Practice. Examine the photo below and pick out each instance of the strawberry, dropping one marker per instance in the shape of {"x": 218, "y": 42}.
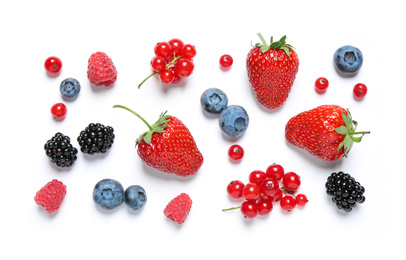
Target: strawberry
{"x": 327, "y": 132}
{"x": 168, "y": 146}
{"x": 101, "y": 70}
{"x": 271, "y": 71}
{"x": 178, "y": 208}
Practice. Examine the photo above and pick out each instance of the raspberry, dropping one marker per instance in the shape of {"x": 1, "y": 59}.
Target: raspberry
{"x": 101, "y": 70}
{"x": 178, "y": 208}
{"x": 96, "y": 138}
{"x": 60, "y": 150}
{"x": 51, "y": 195}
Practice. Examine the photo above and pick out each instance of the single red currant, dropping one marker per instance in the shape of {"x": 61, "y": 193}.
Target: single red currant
{"x": 188, "y": 51}
{"x": 53, "y": 65}
{"x": 359, "y": 91}
{"x": 321, "y": 85}
{"x": 176, "y": 79}
{"x": 265, "y": 206}
{"x": 291, "y": 181}
{"x": 251, "y": 191}
{"x": 167, "y": 76}
{"x": 235, "y": 152}
{"x": 226, "y": 61}
{"x": 235, "y": 188}
{"x": 257, "y": 177}
{"x": 269, "y": 187}
{"x": 278, "y": 195}
{"x": 184, "y": 67}
{"x": 59, "y": 111}
{"x": 301, "y": 200}
{"x": 158, "y": 64}
{"x": 249, "y": 209}
{"x": 288, "y": 203}
{"x": 275, "y": 171}
{"x": 163, "y": 49}
{"x": 177, "y": 46}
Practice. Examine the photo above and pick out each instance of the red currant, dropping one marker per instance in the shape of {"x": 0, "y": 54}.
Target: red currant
{"x": 269, "y": 187}
{"x": 163, "y": 49}
{"x": 257, "y": 177}
{"x": 226, "y": 61}
{"x": 235, "y": 152}
{"x": 249, "y": 209}
{"x": 321, "y": 85}
{"x": 301, "y": 200}
{"x": 184, "y": 67}
{"x": 251, "y": 191}
{"x": 167, "y": 76}
{"x": 53, "y": 65}
{"x": 188, "y": 51}
{"x": 59, "y": 111}
{"x": 265, "y": 206}
{"x": 359, "y": 91}
{"x": 278, "y": 195}
{"x": 235, "y": 188}
{"x": 288, "y": 203}
{"x": 176, "y": 79}
{"x": 177, "y": 46}
{"x": 158, "y": 64}
{"x": 275, "y": 171}
{"x": 291, "y": 181}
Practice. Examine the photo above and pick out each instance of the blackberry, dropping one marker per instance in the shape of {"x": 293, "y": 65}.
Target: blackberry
{"x": 60, "y": 150}
{"x": 96, "y": 138}
{"x": 346, "y": 192}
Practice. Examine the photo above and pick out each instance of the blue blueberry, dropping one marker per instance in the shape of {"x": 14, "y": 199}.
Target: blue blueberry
{"x": 213, "y": 100}
{"x": 70, "y": 88}
{"x": 348, "y": 60}
{"x": 135, "y": 197}
{"x": 108, "y": 194}
{"x": 234, "y": 121}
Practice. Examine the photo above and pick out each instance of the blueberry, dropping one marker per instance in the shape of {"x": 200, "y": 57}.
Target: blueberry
{"x": 213, "y": 101}
{"x": 348, "y": 60}
{"x": 234, "y": 121}
{"x": 108, "y": 194}
{"x": 70, "y": 88}
{"x": 135, "y": 197}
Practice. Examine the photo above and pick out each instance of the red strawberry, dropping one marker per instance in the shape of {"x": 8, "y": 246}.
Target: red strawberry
{"x": 168, "y": 146}
{"x": 51, "y": 195}
{"x": 178, "y": 208}
{"x": 327, "y": 132}
{"x": 271, "y": 71}
{"x": 101, "y": 70}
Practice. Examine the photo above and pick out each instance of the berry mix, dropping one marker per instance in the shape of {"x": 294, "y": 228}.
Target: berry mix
{"x": 327, "y": 131}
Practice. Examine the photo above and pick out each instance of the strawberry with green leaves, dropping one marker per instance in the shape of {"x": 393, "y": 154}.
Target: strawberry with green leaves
{"x": 168, "y": 146}
{"x": 328, "y": 132}
{"x": 272, "y": 69}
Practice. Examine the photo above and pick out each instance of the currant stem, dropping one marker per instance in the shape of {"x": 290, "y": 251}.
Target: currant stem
{"x": 126, "y": 108}
{"x": 233, "y": 208}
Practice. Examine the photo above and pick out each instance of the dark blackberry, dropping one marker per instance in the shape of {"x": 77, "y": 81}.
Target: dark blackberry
{"x": 346, "y": 192}
{"x": 60, "y": 150}
{"x": 96, "y": 138}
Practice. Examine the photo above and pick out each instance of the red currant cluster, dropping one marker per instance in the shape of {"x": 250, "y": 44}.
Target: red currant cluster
{"x": 173, "y": 61}
{"x": 266, "y": 188}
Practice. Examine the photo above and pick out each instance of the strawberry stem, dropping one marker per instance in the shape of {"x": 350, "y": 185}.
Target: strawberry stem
{"x": 140, "y": 117}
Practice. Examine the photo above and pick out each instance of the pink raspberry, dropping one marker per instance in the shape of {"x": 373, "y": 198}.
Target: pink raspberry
{"x": 178, "y": 208}
{"x": 101, "y": 70}
{"x": 51, "y": 195}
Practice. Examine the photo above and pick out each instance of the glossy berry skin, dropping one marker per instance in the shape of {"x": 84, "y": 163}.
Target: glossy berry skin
{"x": 257, "y": 177}
{"x": 278, "y": 195}
{"x": 275, "y": 171}
{"x": 59, "y": 111}
{"x": 251, "y": 191}
{"x": 301, "y": 200}
{"x": 167, "y": 76}
{"x": 226, "y": 61}
{"x": 235, "y": 152}
{"x": 108, "y": 194}
{"x": 321, "y": 85}
{"x": 53, "y": 65}
{"x": 249, "y": 209}
{"x": 348, "y": 60}
{"x": 288, "y": 203}
{"x": 234, "y": 121}
{"x": 70, "y": 89}
{"x": 235, "y": 188}
{"x": 183, "y": 67}
{"x": 291, "y": 181}
{"x": 158, "y": 64}
{"x": 188, "y": 51}
{"x": 359, "y": 91}
{"x": 269, "y": 187}
{"x": 265, "y": 206}
{"x": 177, "y": 46}
{"x": 163, "y": 49}
{"x": 135, "y": 197}
{"x": 213, "y": 101}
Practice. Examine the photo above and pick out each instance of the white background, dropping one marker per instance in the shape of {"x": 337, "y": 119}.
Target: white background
{"x": 127, "y": 31}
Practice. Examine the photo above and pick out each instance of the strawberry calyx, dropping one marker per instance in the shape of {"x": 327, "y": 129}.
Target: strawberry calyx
{"x": 158, "y": 127}
{"x": 350, "y": 133}
{"x": 281, "y": 44}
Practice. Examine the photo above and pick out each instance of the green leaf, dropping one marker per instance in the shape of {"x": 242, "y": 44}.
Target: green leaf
{"x": 148, "y": 137}
{"x": 342, "y": 130}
